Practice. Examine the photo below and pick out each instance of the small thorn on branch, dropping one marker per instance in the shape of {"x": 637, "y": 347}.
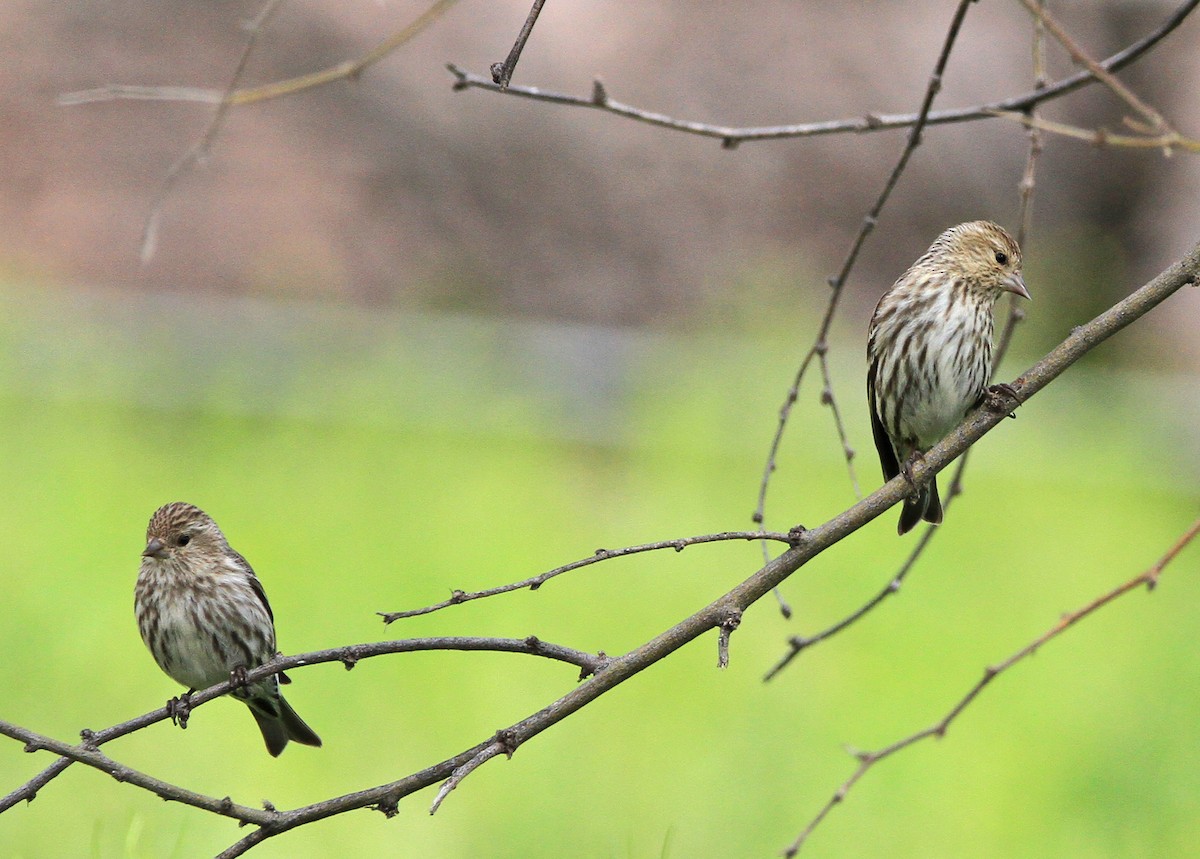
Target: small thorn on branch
{"x": 460, "y": 77}
{"x": 599, "y": 93}
{"x": 389, "y": 808}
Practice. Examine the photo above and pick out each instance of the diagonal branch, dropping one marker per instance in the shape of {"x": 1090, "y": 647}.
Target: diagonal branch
{"x": 502, "y": 72}
{"x": 867, "y": 760}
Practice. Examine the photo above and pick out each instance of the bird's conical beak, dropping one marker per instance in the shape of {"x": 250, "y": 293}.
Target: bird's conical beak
{"x": 155, "y": 549}
{"x": 1016, "y": 285}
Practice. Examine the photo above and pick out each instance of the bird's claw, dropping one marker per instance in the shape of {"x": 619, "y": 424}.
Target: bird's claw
{"x": 1001, "y": 398}
{"x": 180, "y": 708}
{"x": 237, "y": 677}
{"x": 906, "y": 471}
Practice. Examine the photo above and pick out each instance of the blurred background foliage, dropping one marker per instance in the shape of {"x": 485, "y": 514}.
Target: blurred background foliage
{"x": 398, "y": 341}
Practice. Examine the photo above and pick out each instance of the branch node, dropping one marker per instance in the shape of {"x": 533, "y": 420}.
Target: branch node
{"x": 457, "y": 596}
{"x": 533, "y": 643}
{"x": 730, "y": 142}
{"x": 506, "y": 739}
{"x": 499, "y": 78}
{"x": 89, "y": 739}
{"x": 226, "y": 804}
{"x": 796, "y": 535}
{"x": 269, "y": 806}
{"x": 388, "y": 807}
{"x": 873, "y": 121}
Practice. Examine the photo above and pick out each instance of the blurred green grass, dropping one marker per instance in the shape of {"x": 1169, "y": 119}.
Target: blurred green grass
{"x": 367, "y": 462}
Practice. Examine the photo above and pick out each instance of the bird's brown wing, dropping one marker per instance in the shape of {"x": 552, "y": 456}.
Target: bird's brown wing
{"x": 883, "y": 444}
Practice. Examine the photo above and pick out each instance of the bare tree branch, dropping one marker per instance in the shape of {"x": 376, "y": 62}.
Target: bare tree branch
{"x": 348, "y": 655}
{"x": 502, "y": 72}
{"x": 1080, "y": 57}
{"x": 348, "y": 70}
{"x": 867, "y": 760}
{"x": 731, "y": 136}
{"x": 535, "y": 582}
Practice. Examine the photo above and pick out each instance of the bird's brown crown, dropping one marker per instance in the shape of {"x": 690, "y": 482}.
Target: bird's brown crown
{"x": 177, "y": 520}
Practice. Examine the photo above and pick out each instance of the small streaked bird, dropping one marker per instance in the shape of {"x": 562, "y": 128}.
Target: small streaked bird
{"x": 929, "y": 350}
{"x": 204, "y": 616}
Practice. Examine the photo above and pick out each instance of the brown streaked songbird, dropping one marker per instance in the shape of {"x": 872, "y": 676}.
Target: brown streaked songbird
{"x": 929, "y": 350}
{"x": 204, "y": 616}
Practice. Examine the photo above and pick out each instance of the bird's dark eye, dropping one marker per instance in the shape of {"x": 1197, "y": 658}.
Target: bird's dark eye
{"x": 183, "y": 539}
{"x": 1001, "y": 257}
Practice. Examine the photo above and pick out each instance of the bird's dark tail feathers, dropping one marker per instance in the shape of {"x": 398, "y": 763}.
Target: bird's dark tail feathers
{"x": 927, "y": 506}
{"x": 279, "y": 723}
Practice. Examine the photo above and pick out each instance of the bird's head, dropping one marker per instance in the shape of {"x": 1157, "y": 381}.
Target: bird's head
{"x": 984, "y": 255}
{"x": 178, "y": 530}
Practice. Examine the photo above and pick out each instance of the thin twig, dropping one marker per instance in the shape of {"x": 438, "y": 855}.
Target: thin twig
{"x": 1102, "y": 138}
{"x": 458, "y": 597}
{"x": 866, "y": 760}
{"x": 199, "y": 150}
{"x": 828, "y": 399}
{"x": 500, "y": 744}
{"x": 348, "y": 70}
{"x": 820, "y": 345}
{"x": 502, "y": 72}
